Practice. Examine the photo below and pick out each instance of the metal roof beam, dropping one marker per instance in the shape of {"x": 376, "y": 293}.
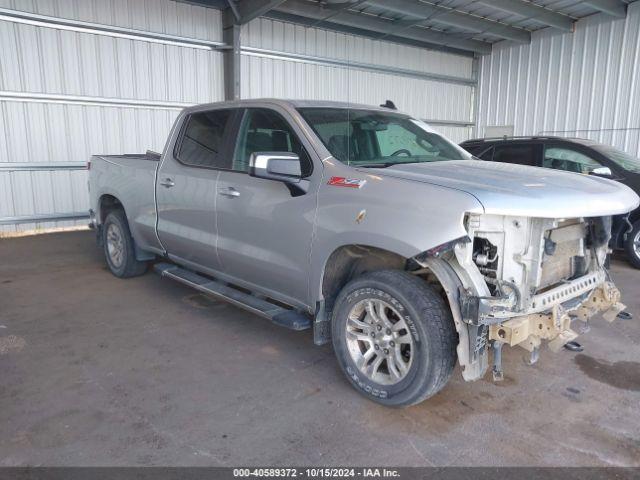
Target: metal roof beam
{"x": 448, "y": 17}
{"x": 615, "y": 8}
{"x": 533, "y": 12}
{"x": 379, "y": 27}
{"x": 247, "y": 10}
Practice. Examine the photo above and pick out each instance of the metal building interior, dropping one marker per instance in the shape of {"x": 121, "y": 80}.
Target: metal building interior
{"x": 149, "y": 373}
{"x": 67, "y": 64}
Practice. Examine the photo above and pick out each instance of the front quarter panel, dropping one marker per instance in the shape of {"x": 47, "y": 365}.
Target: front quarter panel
{"x": 402, "y": 216}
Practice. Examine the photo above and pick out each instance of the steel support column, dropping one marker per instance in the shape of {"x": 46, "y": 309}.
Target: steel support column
{"x": 231, "y": 62}
{"x": 475, "y": 72}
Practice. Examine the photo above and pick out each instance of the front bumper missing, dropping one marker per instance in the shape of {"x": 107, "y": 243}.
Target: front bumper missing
{"x": 528, "y": 331}
{"x": 493, "y": 310}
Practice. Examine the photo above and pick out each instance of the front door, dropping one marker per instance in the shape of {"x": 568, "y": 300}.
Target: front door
{"x": 186, "y": 188}
{"x": 265, "y": 229}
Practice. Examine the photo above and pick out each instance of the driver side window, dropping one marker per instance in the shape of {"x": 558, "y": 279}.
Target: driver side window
{"x": 569, "y": 160}
{"x": 264, "y": 130}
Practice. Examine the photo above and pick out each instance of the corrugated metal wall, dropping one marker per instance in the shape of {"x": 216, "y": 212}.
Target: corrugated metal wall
{"x": 263, "y": 76}
{"x": 65, "y": 94}
{"x": 73, "y": 83}
{"x": 584, "y": 84}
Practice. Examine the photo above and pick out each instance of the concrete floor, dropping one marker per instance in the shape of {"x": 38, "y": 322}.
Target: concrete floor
{"x": 100, "y": 371}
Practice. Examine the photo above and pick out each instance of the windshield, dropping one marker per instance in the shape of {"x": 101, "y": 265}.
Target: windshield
{"x": 379, "y": 139}
{"x": 623, "y": 159}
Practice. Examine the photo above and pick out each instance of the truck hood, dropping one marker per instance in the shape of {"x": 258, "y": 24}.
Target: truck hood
{"x": 507, "y": 189}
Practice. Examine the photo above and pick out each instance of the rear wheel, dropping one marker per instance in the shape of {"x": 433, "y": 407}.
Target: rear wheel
{"x": 632, "y": 245}
{"x": 394, "y": 337}
{"x": 119, "y": 249}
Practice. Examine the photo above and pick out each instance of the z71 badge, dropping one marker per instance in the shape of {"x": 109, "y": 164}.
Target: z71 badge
{"x": 346, "y": 182}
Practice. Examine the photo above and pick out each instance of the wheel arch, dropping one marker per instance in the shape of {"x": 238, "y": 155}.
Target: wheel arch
{"x": 451, "y": 287}
{"x": 350, "y": 261}
{"x": 106, "y": 203}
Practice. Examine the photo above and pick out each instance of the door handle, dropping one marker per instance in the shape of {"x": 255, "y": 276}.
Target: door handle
{"x": 167, "y": 182}
{"x": 229, "y": 192}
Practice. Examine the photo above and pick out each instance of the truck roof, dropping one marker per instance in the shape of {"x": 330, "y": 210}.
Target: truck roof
{"x": 291, "y": 103}
{"x": 492, "y": 140}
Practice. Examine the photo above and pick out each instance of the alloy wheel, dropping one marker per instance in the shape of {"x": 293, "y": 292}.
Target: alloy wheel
{"x": 379, "y": 341}
{"x": 115, "y": 245}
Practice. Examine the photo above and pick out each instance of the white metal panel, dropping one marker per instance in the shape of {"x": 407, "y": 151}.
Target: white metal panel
{"x": 70, "y": 75}
{"x": 44, "y": 132}
{"x": 287, "y": 37}
{"x": 269, "y": 77}
{"x": 584, "y": 84}
{"x": 44, "y": 62}
{"x": 265, "y": 77}
{"x": 455, "y": 134}
{"x": 159, "y": 16}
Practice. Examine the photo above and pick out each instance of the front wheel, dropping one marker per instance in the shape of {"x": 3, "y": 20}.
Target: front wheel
{"x": 632, "y": 245}
{"x": 119, "y": 249}
{"x": 394, "y": 337}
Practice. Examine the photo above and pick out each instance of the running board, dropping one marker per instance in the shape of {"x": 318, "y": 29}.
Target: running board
{"x": 278, "y": 315}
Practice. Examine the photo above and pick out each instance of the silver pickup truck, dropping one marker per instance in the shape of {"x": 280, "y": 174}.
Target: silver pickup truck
{"x": 369, "y": 227}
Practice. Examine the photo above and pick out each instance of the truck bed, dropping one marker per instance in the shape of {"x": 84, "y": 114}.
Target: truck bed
{"x": 131, "y": 179}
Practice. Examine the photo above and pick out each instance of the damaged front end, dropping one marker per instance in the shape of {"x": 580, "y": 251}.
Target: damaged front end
{"x": 522, "y": 281}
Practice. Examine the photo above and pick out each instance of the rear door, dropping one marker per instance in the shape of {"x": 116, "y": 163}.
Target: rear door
{"x": 264, "y": 227}
{"x": 186, "y": 187}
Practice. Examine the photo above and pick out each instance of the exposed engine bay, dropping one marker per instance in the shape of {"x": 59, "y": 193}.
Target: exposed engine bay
{"x": 526, "y": 280}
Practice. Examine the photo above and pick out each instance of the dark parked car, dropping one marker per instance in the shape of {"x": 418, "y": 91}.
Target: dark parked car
{"x": 573, "y": 155}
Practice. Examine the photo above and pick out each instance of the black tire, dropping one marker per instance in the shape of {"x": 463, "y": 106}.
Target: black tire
{"x": 431, "y": 326}
{"x": 127, "y": 266}
{"x": 633, "y": 254}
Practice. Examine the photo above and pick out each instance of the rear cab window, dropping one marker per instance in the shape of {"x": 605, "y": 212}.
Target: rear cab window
{"x": 203, "y": 141}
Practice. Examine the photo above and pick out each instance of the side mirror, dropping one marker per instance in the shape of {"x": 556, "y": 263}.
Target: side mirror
{"x": 602, "y": 172}
{"x": 280, "y": 166}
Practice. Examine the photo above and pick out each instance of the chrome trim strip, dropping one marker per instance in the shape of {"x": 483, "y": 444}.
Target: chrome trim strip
{"x": 45, "y": 217}
{"x": 28, "y": 18}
